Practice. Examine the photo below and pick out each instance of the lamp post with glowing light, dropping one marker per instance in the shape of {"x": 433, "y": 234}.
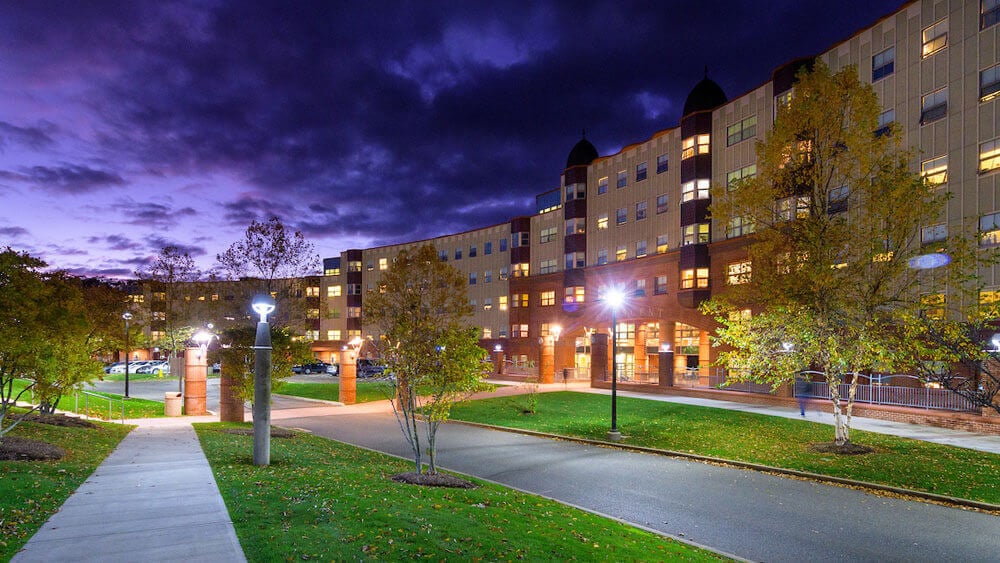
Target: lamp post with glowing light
{"x": 614, "y": 299}
{"x": 263, "y": 305}
{"x": 128, "y": 317}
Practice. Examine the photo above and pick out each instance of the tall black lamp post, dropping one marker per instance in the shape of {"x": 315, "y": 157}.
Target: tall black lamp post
{"x": 614, "y": 299}
{"x": 128, "y": 317}
{"x": 263, "y": 305}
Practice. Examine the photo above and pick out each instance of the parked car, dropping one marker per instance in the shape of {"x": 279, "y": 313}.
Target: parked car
{"x": 370, "y": 368}
{"x": 314, "y": 367}
{"x": 159, "y": 367}
{"x": 110, "y": 368}
{"x": 133, "y": 366}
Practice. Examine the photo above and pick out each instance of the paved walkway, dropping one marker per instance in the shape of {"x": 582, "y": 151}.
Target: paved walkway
{"x": 153, "y": 499}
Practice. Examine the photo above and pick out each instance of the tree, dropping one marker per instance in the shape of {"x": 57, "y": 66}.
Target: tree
{"x": 836, "y": 215}
{"x": 236, "y": 356}
{"x": 166, "y": 275}
{"x": 269, "y": 252}
{"x": 419, "y": 309}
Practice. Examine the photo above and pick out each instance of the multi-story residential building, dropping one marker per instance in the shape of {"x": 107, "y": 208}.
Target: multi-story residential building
{"x": 638, "y": 218}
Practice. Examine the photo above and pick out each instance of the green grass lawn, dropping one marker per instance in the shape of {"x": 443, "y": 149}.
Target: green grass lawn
{"x": 31, "y": 491}
{"x": 366, "y": 391}
{"x": 324, "y": 500}
{"x": 734, "y": 435}
{"x": 97, "y": 407}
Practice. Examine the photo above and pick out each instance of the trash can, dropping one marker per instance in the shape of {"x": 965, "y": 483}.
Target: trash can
{"x": 172, "y": 403}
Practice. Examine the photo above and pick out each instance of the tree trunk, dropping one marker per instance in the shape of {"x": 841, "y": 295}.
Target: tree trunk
{"x": 841, "y": 436}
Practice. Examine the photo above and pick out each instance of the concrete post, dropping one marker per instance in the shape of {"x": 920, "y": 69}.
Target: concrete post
{"x": 262, "y": 395}
{"x": 348, "y": 377}
{"x": 194, "y": 381}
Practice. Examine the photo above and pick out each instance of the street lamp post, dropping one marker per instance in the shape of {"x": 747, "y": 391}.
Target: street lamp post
{"x": 263, "y": 305}
{"x": 614, "y": 299}
{"x": 128, "y": 317}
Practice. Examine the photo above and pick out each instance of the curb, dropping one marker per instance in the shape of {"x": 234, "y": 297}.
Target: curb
{"x": 932, "y": 497}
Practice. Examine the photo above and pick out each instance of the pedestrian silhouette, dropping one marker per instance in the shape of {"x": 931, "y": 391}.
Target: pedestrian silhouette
{"x": 802, "y": 388}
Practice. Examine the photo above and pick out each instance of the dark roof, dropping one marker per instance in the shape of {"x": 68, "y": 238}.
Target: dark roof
{"x": 582, "y": 154}
{"x": 704, "y": 96}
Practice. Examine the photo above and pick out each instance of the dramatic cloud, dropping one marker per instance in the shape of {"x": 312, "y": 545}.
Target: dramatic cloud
{"x": 31, "y": 137}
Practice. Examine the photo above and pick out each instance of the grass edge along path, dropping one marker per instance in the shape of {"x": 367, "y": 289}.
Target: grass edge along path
{"x": 366, "y": 391}
{"x": 751, "y": 438}
{"x": 32, "y": 491}
{"x": 322, "y": 499}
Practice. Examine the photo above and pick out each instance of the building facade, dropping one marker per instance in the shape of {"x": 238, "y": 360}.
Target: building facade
{"x": 638, "y": 220}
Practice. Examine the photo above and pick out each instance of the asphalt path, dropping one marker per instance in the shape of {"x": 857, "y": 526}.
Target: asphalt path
{"x": 747, "y": 513}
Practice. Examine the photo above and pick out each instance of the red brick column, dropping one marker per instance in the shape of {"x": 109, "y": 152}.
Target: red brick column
{"x": 194, "y": 381}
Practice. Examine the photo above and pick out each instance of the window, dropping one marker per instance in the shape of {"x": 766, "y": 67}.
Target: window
{"x": 935, "y": 38}
{"x": 443, "y": 255}
{"x": 547, "y": 298}
{"x": 622, "y": 179}
{"x": 661, "y": 244}
{"x": 602, "y": 185}
{"x": 548, "y": 234}
{"x": 333, "y": 334}
{"x": 640, "y": 249}
{"x": 159, "y": 315}
{"x": 522, "y": 238}
{"x": 660, "y": 285}
{"x": 736, "y": 176}
{"x": 662, "y": 163}
{"x": 640, "y": 211}
{"x": 698, "y": 144}
{"x": 574, "y": 294}
{"x": 502, "y": 302}
{"x": 795, "y": 207}
{"x": 662, "y": 202}
{"x": 934, "y": 106}
{"x": 989, "y": 83}
{"x": 488, "y": 247}
{"x": 520, "y": 270}
{"x": 739, "y": 226}
{"x": 488, "y": 276}
{"x": 547, "y": 266}
{"x": 738, "y": 272}
{"x": 989, "y": 297}
{"x": 354, "y": 289}
{"x": 640, "y": 288}
{"x": 487, "y": 332}
{"x": 837, "y": 200}
{"x": 933, "y": 305}
{"x": 602, "y": 221}
{"x": 935, "y": 170}
{"x": 602, "y": 256}
{"x": 989, "y": 13}
{"x": 576, "y": 260}
{"x": 696, "y": 234}
{"x": 503, "y": 244}
{"x": 989, "y": 156}
{"x": 458, "y": 254}
{"x": 519, "y": 300}
{"x": 883, "y": 64}
{"x": 885, "y": 121}
{"x": 695, "y": 189}
{"x": 576, "y": 191}
{"x": 312, "y": 313}
{"x": 576, "y": 226}
{"x": 781, "y": 101}
{"x": 694, "y": 278}
{"x": 640, "y": 172}
{"x": 353, "y": 333}
{"x": 354, "y": 312}
{"x": 519, "y": 331}
{"x": 989, "y": 229}
{"x": 472, "y": 251}
{"x": 741, "y": 131}
{"x": 333, "y": 291}
{"x": 503, "y": 272}
{"x": 621, "y": 216}
{"x": 933, "y": 233}
{"x": 621, "y": 253}
{"x": 371, "y": 265}
{"x": 472, "y": 278}
{"x": 136, "y": 298}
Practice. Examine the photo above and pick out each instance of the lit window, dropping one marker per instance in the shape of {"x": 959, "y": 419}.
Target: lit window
{"x": 502, "y": 302}
{"x": 519, "y": 331}
{"x": 989, "y": 13}
{"x": 621, "y": 253}
{"x": 640, "y": 249}
{"x": 215, "y": 296}
{"x": 311, "y": 291}
{"x": 662, "y": 163}
{"x": 989, "y": 297}
{"x": 660, "y": 285}
{"x": 520, "y": 270}
{"x": 472, "y": 278}
{"x": 695, "y": 278}
{"x": 621, "y": 216}
{"x": 640, "y": 172}
{"x": 547, "y": 266}
{"x": 576, "y": 260}
{"x": 741, "y": 130}
{"x": 640, "y": 211}
{"x": 739, "y": 226}
{"x": 519, "y": 300}
{"x": 934, "y": 106}
{"x": 333, "y": 334}
{"x": 662, "y": 203}
{"x": 736, "y": 176}
{"x": 602, "y": 221}
{"x": 353, "y": 333}
{"x": 159, "y": 315}
{"x": 796, "y": 207}
{"x": 883, "y": 64}
{"x": 989, "y": 156}
{"x": 354, "y": 312}
{"x": 548, "y": 298}
{"x": 602, "y": 185}
{"x": 935, "y": 170}
{"x": 137, "y": 298}
{"x": 782, "y": 101}
{"x": 933, "y": 233}
{"x": 602, "y": 256}
{"x": 487, "y": 332}
{"x": 548, "y": 234}
{"x": 989, "y": 229}
{"x": 989, "y": 83}
{"x": 738, "y": 272}
{"x": 698, "y": 144}
{"x": 161, "y": 295}
{"x": 695, "y": 189}
{"x": 935, "y": 38}
{"x": 696, "y": 234}
{"x": 661, "y": 244}
{"x": 576, "y": 226}
{"x": 574, "y": 294}
{"x": 312, "y": 313}
{"x": 331, "y": 272}
{"x": 837, "y": 200}
{"x": 933, "y": 305}
{"x": 622, "y": 179}
{"x": 885, "y": 121}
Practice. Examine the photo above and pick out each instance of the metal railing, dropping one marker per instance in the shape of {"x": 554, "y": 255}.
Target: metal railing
{"x": 897, "y": 395}
{"x": 718, "y": 380}
{"x": 86, "y": 404}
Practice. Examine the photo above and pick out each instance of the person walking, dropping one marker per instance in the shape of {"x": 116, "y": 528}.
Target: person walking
{"x": 802, "y": 388}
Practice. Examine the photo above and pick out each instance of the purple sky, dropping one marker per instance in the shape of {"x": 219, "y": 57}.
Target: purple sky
{"x": 126, "y": 126}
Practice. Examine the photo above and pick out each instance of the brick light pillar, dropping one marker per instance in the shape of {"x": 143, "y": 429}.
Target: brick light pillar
{"x": 599, "y": 359}
{"x": 348, "y": 377}
{"x": 230, "y": 405}
{"x": 666, "y": 368}
{"x": 547, "y": 365}
{"x": 497, "y": 361}
{"x": 194, "y": 381}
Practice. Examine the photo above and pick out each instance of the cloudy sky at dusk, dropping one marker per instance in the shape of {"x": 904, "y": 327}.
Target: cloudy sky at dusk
{"x": 126, "y": 126}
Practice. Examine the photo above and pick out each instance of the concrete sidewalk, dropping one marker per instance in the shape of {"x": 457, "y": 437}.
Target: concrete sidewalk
{"x": 153, "y": 499}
